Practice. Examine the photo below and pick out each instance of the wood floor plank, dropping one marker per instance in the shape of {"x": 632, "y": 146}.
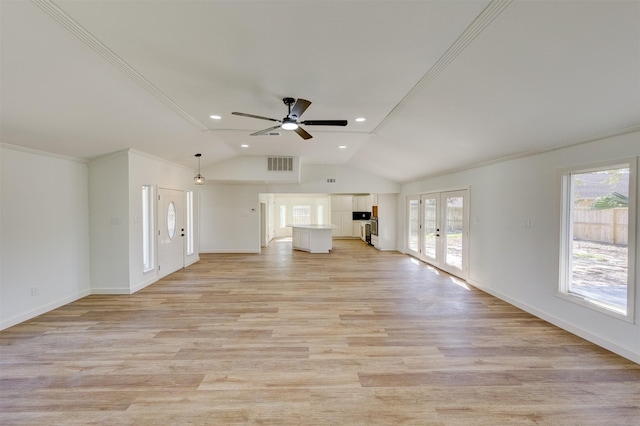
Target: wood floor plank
{"x": 354, "y": 337}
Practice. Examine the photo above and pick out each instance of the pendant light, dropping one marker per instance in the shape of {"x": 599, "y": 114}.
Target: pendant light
{"x": 199, "y": 179}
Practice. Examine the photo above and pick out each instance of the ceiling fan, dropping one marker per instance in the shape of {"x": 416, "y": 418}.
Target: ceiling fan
{"x": 290, "y": 122}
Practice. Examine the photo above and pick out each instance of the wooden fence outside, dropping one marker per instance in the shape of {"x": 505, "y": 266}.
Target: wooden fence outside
{"x": 607, "y": 226}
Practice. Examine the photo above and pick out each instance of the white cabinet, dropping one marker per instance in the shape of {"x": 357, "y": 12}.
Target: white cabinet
{"x": 357, "y": 228}
{"x": 312, "y": 238}
{"x": 347, "y": 223}
{"x": 336, "y": 203}
{"x": 361, "y": 203}
{"x": 341, "y": 203}
{"x": 342, "y": 215}
{"x": 386, "y": 239}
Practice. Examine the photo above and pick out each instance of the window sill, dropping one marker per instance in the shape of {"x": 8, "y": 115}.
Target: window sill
{"x": 594, "y": 305}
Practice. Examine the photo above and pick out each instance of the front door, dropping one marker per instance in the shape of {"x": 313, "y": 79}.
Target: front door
{"x": 170, "y": 231}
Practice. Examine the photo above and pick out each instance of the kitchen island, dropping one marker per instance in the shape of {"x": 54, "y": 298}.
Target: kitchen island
{"x": 312, "y": 238}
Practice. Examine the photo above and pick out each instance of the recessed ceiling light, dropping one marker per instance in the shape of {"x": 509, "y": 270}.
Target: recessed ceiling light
{"x": 342, "y": 147}
{"x": 215, "y": 117}
{"x": 244, "y": 146}
{"x": 361, "y": 119}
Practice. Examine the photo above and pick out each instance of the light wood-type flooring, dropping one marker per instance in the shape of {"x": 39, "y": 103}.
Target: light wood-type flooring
{"x": 354, "y": 337}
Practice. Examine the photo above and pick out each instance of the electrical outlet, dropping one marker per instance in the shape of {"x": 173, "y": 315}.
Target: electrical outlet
{"x": 34, "y": 291}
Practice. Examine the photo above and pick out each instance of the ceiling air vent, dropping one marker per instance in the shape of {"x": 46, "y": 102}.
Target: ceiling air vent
{"x": 280, "y": 164}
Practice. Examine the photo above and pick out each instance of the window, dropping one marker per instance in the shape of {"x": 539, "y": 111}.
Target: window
{"x": 147, "y": 228}
{"x": 283, "y": 216}
{"x": 301, "y": 215}
{"x": 598, "y": 237}
{"x": 190, "y": 244}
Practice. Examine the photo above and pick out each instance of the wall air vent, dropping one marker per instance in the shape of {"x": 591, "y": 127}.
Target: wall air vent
{"x": 280, "y": 164}
{"x": 331, "y": 180}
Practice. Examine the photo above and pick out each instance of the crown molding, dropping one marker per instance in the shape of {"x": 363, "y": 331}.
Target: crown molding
{"x": 42, "y": 153}
{"x": 85, "y": 36}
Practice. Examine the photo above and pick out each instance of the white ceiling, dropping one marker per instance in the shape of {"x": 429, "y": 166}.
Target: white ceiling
{"x": 443, "y": 84}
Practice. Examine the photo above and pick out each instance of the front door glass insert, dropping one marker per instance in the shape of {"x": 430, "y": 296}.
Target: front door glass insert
{"x": 171, "y": 220}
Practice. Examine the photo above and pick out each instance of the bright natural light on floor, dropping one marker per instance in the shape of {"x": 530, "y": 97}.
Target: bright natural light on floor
{"x": 459, "y": 283}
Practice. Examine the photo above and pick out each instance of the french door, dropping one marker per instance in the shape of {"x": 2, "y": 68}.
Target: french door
{"x": 438, "y": 230}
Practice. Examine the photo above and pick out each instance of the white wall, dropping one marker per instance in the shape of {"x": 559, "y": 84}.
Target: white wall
{"x": 115, "y": 183}
{"x": 269, "y": 220}
{"x": 44, "y": 233}
{"x": 250, "y": 168}
{"x": 290, "y": 200}
{"x": 348, "y": 180}
{"x": 109, "y": 219}
{"x": 228, "y": 223}
{"x": 148, "y": 170}
{"x": 230, "y": 218}
{"x": 518, "y": 264}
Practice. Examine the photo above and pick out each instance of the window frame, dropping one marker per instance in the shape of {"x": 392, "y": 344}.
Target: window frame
{"x": 566, "y": 237}
{"x": 148, "y": 228}
{"x": 295, "y": 219}
{"x": 190, "y": 243}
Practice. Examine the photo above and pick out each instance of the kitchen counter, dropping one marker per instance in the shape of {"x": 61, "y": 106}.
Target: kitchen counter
{"x": 312, "y": 238}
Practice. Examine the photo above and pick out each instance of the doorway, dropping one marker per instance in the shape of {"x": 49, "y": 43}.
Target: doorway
{"x": 438, "y": 230}
{"x": 171, "y": 233}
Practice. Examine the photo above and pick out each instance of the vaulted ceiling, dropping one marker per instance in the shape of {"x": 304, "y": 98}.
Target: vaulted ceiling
{"x": 442, "y": 84}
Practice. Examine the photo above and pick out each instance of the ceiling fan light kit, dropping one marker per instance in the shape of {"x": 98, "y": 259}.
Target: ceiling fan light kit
{"x": 289, "y": 125}
{"x": 290, "y": 122}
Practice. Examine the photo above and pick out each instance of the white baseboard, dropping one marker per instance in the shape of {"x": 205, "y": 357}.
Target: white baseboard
{"x": 43, "y": 309}
{"x": 558, "y": 322}
{"x": 111, "y": 290}
{"x": 230, "y": 251}
{"x": 144, "y": 284}
{"x": 64, "y": 301}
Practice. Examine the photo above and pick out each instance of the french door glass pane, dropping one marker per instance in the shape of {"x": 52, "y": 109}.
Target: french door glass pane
{"x": 453, "y": 231}
{"x": 414, "y": 225}
{"x": 430, "y": 227}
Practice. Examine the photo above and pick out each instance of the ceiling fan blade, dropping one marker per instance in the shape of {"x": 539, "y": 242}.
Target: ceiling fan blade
{"x": 300, "y": 106}
{"x": 325, "y": 122}
{"x": 303, "y": 133}
{"x": 255, "y": 116}
{"x": 261, "y": 132}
